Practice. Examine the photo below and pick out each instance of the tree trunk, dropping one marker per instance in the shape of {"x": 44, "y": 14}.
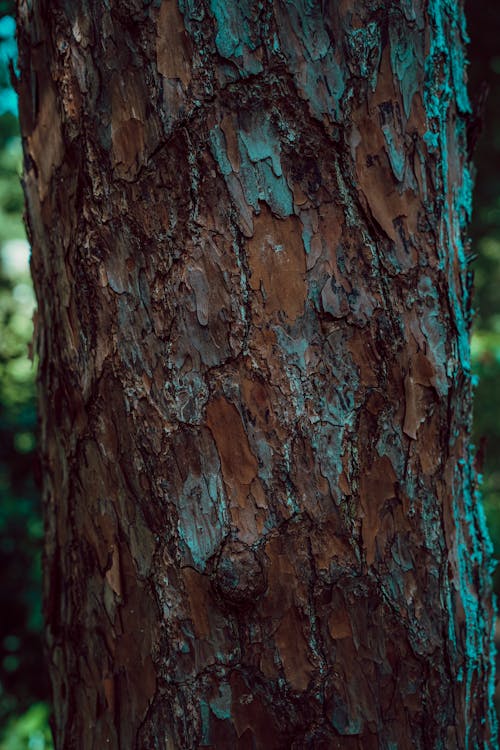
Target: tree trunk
{"x": 249, "y": 230}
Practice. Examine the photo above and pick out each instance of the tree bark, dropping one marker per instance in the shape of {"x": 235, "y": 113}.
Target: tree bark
{"x": 249, "y": 231}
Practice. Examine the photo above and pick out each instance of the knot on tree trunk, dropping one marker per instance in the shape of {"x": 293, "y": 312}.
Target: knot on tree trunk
{"x": 239, "y": 576}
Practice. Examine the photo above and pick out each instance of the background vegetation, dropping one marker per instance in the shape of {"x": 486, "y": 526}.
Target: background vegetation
{"x": 484, "y": 53}
{"x": 24, "y": 692}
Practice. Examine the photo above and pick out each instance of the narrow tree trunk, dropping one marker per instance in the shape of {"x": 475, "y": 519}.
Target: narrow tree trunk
{"x": 249, "y": 223}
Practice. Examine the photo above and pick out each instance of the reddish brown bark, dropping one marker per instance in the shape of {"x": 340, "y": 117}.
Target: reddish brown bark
{"x": 248, "y": 225}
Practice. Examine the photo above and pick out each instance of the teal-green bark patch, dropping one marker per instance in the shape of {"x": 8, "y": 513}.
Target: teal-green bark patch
{"x": 202, "y": 513}
{"x": 446, "y": 102}
{"x": 221, "y": 704}
{"x": 219, "y": 150}
{"x": 396, "y": 156}
{"x": 309, "y": 50}
{"x": 364, "y": 48}
{"x": 406, "y": 50}
{"x": 234, "y": 38}
{"x": 260, "y": 176}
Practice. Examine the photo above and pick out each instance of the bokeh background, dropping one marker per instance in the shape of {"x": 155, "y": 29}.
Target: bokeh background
{"x": 24, "y": 686}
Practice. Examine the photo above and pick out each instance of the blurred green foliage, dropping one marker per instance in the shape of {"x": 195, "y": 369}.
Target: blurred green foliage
{"x": 23, "y": 680}
{"x": 484, "y": 52}
{"x": 30, "y": 731}
{"x": 24, "y": 687}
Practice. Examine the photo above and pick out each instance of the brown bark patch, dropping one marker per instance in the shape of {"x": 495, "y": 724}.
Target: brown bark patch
{"x": 132, "y": 660}
{"x": 200, "y": 601}
{"x": 278, "y": 263}
{"x": 173, "y": 47}
{"x": 339, "y": 624}
{"x": 328, "y": 546}
{"x": 417, "y": 386}
{"x": 127, "y": 124}
{"x": 284, "y": 601}
{"x": 113, "y": 573}
{"x": 377, "y": 486}
{"x": 362, "y": 354}
{"x": 45, "y": 144}
{"x": 238, "y": 463}
{"x": 330, "y": 232}
{"x": 252, "y": 718}
{"x": 430, "y": 458}
{"x": 232, "y": 148}
{"x": 258, "y": 398}
{"x": 293, "y": 650}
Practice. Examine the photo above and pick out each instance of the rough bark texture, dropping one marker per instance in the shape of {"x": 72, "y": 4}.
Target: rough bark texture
{"x": 249, "y": 229}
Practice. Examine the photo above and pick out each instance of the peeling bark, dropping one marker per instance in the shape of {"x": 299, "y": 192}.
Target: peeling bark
{"x": 248, "y": 224}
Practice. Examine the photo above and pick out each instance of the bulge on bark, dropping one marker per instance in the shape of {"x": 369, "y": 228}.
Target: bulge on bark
{"x": 238, "y": 575}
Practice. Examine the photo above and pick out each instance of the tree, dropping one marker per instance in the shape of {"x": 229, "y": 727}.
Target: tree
{"x": 249, "y": 229}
